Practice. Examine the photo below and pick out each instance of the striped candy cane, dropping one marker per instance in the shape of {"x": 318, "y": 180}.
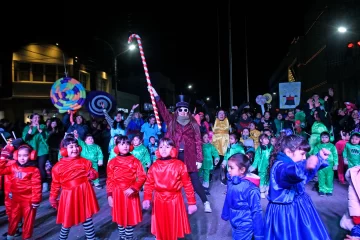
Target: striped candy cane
{"x": 147, "y": 76}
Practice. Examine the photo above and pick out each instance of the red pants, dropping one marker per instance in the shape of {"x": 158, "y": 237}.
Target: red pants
{"x": 19, "y": 210}
{"x": 341, "y": 169}
{"x": 6, "y": 192}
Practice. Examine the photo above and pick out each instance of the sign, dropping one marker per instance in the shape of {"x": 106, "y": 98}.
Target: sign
{"x": 289, "y": 94}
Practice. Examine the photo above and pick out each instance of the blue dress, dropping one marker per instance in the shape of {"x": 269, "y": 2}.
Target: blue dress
{"x": 290, "y": 214}
{"x": 242, "y": 207}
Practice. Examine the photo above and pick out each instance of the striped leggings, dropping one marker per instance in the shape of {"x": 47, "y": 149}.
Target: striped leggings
{"x": 126, "y": 233}
{"x": 88, "y": 229}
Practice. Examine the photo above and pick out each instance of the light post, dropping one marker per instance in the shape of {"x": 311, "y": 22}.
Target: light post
{"x": 130, "y": 48}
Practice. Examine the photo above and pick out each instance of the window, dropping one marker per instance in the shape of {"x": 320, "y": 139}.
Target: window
{"x": 38, "y": 72}
{"x": 102, "y": 84}
{"x": 84, "y": 79}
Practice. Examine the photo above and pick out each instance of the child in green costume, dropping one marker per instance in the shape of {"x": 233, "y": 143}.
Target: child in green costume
{"x": 261, "y": 162}
{"x": 351, "y": 152}
{"x": 141, "y": 152}
{"x": 92, "y": 152}
{"x": 326, "y": 175}
{"x": 209, "y": 152}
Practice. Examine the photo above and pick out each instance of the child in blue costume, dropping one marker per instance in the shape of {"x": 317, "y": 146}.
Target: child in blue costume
{"x": 290, "y": 214}
{"x": 242, "y": 203}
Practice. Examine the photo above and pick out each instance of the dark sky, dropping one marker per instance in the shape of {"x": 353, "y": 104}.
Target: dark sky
{"x": 179, "y": 40}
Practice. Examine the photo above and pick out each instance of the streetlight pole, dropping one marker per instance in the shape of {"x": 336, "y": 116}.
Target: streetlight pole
{"x": 247, "y": 66}
{"x": 230, "y": 55}
{"x": 218, "y": 31}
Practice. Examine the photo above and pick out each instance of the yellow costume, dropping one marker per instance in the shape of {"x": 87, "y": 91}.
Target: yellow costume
{"x": 220, "y": 138}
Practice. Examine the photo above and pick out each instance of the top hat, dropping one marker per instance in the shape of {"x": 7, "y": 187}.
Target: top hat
{"x": 182, "y": 101}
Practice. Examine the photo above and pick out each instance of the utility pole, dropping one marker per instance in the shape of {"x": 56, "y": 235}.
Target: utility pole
{"x": 230, "y": 56}
{"x": 218, "y": 31}
{"x": 247, "y": 66}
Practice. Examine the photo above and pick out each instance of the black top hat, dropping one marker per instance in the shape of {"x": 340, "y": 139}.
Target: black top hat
{"x": 182, "y": 101}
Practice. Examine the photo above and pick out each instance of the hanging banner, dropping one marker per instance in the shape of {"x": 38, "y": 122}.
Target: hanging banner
{"x": 289, "y": 94}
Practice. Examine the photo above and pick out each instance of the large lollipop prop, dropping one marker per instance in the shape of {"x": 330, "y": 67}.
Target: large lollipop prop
{"x": 261, "y": 100}
{"x": 147, "y": 76}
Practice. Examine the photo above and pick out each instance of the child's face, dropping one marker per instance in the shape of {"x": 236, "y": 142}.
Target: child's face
{"x": 89, "y": 140}
{"x": 165, "y": 149}
{"x": 205, "y": 138}
{"x": 73, "y": 150}
{"x": 245, "y": 132}
{"x": 234, "y": 170}
{"x": 347, "y": 137}
{"x": 232, "y": 139}
{"x": 258, "y": 115}
{"x": 251, "y": 126}
{"x": 265, "y": 141}
{"x": 355, "y": 140}
{"x": 23, "y": 156}
{"x": 267, "y": 132}
{"x": 273, "y": 141}
{"x": 296, "y": 156}
{"x": 152, "y": 140}
{"x": 279, "y": 116}
{"x": 124, "y": 148}
{"x": 325, "y": 139}
{"x": 136, "y": 141}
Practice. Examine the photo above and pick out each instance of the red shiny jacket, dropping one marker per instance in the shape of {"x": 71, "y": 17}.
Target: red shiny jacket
{"x": 25, "y": 181}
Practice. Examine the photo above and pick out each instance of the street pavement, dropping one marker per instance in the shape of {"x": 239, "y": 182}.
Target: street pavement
{"x": 203, "y": 225}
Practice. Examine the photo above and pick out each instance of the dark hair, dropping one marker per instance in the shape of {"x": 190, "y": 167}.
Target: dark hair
{"x": 152, "y": 137}
{"x": 139, "y": 136}
{"x": 292, "y": 142}
{"x": 354, "y": 134}
{"x": 167, "y": 141}
{"x": 240, "y": 160}
{"x": 235, "y": 135}
{"x": 325, "y": 133}
{"x": 25, "y": 146}
{"x": 262, "y": 136}
{"x": 122, "y": 139}
{"x": 68, "y": 139}
{"x": 88, "y": 135}
{"x": 203, "y": 134}
{"x": 33, "y": 115}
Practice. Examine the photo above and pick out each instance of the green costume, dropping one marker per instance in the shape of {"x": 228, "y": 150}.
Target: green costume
{"x": 352, "y": 154}
{"x": 316, "y": 129}
{"x": 261, "y": 162}
{"x": 233, "y": 149}
{"x": 209, "y": 152}
{"x": 36, "y": 139}
{"x": 94, "y": 154}
{"x": 326, "y": 175}
{"x": 142, "y": 153}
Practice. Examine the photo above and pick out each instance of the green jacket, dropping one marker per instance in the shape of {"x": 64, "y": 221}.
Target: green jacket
{"x": 231, "y": 150}
{"x": 352, "y": 154}
{"x": 262, "y": 158}
{"x": 142, "y": 153}
{"x": 333, "y": 157}
{"x": 91, "y": 152}
{"x": 209, "y": 152}
{"x": 36, "y": 139}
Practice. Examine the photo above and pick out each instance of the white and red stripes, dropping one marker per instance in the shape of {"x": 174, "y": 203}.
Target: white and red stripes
{"x": 147, "y": 76}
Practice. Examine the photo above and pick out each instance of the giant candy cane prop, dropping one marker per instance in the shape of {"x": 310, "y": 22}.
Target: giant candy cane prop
{"x": 147, "y": 76}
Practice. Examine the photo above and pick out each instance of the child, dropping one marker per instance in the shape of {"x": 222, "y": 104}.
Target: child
{"x": 25, "y": 189}
{"x": 77, "y": 201}
{"x": 254, "y": 134}
{"x": 261, "y": 162}
{"x": 290, "y": 208}
{"x": 125, "y": 178}
{"x": 141, "y": 152}
{"x": 152, "y": 147}
{"x": 242, "y": 203}
{"x": 209, "y": 152}
{"x": 326, "y": 175}
{"x": 340, "y": 146}
{"x": 169, "y": 220}
{"x": 92, "y": 152}
{"x": 351, "y": 152}
{"x": 233, "y": 148}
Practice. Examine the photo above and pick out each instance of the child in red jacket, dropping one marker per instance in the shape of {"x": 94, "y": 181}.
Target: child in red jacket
{"x": 25, "y": 189}
{"x": 72, "y": 174}
{"x": 125, "y": 178}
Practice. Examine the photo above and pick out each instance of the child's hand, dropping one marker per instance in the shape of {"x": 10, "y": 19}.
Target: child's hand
{"x": 128, "y": 192}
{"x": 216, "y": 161}
{"x": 54, "y": 203}
{"x": 192, "y": 209}
{"x": 110, "y": 201}
{"x": 146, "y": 204}
{"x": 311, "y": 162}
{"x": 346, "y": 162}
{"x": 148, "y": 165}
{"x": 198, "y": 165}
{"x": 100, "y": 162}
{"x": 335, "y": 167}
{"x": 76, "y": 135}
{"x": 324, "y": 153}
{"x": 223, "y": 165}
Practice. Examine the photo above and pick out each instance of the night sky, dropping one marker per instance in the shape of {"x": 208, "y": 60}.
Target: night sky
{"x": 179, "y": 40}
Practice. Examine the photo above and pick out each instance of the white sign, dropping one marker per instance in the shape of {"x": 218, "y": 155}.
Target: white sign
{"x": 289, "y": 94}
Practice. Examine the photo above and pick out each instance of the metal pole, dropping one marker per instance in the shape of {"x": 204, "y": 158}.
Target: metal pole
{"x": 230, "y": 56}
{"x": 218, "y": 30}
{"x": 115, "y": 76}
{"x": 247, "y": 67}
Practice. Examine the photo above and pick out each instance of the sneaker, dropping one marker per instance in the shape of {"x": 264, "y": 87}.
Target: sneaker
{"x": 329, "y": 194}
{"x": 98, "y": 186}
{"x": 207, "y": 207}
{"x": 45, "y": 187}
{"x": 262, "y": 195}
{"x": 321, "y": 194}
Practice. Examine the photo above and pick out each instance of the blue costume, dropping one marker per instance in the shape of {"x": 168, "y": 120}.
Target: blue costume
{"x": 242, "y": 207}
{"x": 290, "y": 214}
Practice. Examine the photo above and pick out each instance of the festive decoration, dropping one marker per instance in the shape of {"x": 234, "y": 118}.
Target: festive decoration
{"x": 290, "y": 76}
{"x": 289, "y": 94}
{"x": 147, "y": 76}
{"x": 261, "y": 100}
{"x": 94, "y": 100}
{"x": 67, "y": 94}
